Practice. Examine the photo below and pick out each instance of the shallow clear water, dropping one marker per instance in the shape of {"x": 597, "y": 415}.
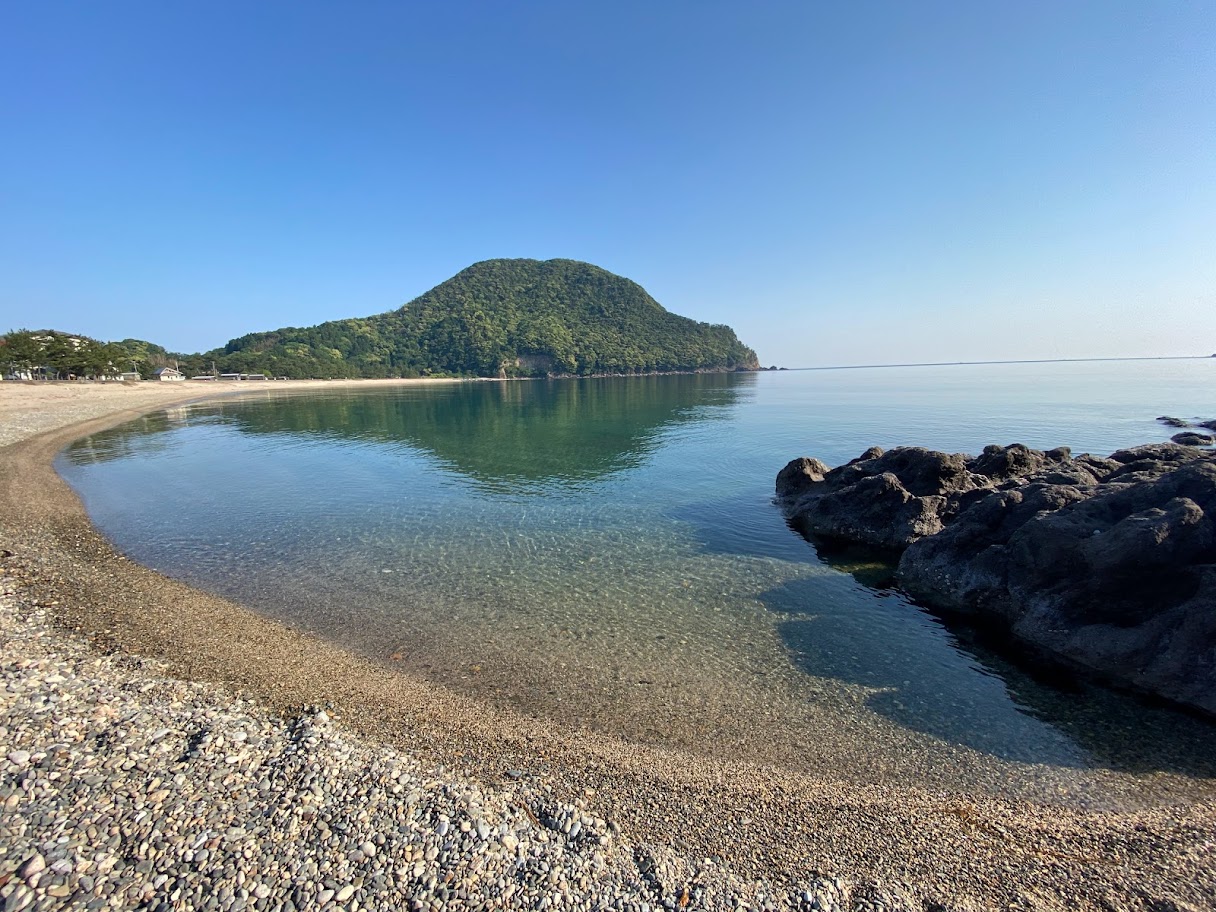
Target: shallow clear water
{"x": 606, "y": 553}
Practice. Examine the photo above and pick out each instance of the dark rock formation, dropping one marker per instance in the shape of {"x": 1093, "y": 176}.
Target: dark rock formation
{"x": 1107, "y": 564}
{"x": 1191, "y": 439}
{"x": 1180, "y": 423}
{"x": 891, "y": 499}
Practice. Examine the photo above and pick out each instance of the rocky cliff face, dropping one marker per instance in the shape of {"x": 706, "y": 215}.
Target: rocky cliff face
{"x": 1108, "y": 564}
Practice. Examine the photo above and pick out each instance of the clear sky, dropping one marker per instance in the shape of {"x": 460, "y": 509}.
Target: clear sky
{"x": 842, "y": 183}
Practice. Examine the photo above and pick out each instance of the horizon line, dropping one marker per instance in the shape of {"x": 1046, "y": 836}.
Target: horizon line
{"x": 1005, "y": 361}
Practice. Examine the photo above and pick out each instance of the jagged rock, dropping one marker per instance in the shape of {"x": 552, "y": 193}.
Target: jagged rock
{"x": 964, "y": 569}
{"x": 1014, "y": 461}
{"x": 1108, "y": 564}
{"x": 1173, "y": 422}
{"x": 891, "y": 499}
{"x": 1144, "y": 463}
{"x": 1099, "y": 466}
{"x": 878, "y": 509}
{"x": 885, "y": 499}
{"x": 800, "y": 474}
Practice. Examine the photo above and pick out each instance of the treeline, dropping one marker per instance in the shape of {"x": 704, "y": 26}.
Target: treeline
{"x": 47, "y": 354}
{"x": 497, "y": 318}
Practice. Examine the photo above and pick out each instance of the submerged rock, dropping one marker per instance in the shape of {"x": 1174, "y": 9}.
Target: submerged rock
{"x": 1108, "y": 564}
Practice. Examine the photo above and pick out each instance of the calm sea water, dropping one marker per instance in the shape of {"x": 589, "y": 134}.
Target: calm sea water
{"x": 606, "y": 553}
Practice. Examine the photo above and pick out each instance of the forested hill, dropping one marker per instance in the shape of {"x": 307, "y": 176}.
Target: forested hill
{"x": 496, "y": 318}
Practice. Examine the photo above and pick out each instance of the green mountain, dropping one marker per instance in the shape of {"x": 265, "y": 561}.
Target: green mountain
{"x": 498, "y": 318}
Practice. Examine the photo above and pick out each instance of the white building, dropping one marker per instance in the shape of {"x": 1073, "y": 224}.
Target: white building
{"x": 169, "y": 373}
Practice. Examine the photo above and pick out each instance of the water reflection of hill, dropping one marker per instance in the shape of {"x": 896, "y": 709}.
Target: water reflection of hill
{"x": 505, "y": 436}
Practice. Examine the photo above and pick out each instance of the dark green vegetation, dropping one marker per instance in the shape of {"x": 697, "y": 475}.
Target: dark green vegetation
{"x": 47, "y": 354}
{"x": 501, "y": 318}
{"x": 498, "y": 318}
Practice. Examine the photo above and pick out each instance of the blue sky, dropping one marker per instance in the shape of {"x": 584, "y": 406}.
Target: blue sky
{"x": 842, "y": 183}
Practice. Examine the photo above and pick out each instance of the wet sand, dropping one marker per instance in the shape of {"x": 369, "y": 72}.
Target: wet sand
{"x": 763, "y": 822}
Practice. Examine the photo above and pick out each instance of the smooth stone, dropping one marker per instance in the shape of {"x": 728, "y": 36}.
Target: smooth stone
{"x": 21, "y": 897}
{"x": 33, "y": 865}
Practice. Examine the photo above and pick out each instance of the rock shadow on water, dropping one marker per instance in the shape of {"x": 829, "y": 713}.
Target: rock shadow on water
{"x": 745, "y": 525}
{"x": 872, "y": 567}
{"x": 750, "y": 525}
{"x": 945, "y": 682}
{"x": 934, "y": 675}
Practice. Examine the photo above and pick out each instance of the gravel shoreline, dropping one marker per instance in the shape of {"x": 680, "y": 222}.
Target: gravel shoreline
{"x": 204, "y": 776}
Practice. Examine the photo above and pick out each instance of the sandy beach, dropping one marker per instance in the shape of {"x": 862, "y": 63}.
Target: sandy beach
{"x": 506, "y": 812}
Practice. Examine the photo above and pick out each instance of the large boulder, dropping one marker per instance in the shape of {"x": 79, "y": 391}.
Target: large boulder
{"x": 1108, "y": 564}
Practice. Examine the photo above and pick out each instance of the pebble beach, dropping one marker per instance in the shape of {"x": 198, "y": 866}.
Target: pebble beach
{"x": 165, "y": 749}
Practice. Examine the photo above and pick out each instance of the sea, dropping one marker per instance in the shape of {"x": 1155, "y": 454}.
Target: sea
{"x": 606, "y": 554}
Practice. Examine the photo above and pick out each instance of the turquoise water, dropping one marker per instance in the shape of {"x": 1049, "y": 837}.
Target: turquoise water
{"x": 606, "y": 553}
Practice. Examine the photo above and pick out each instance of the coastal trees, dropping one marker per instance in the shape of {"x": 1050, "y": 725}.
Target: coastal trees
{"x": 20, "y": 352}
{"x": 50, "y": 354}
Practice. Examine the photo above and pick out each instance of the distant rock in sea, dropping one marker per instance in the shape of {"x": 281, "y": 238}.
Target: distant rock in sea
{"x": 1189, "y": 438}
{"x": 1104, "y": 564}
{"x": 1182, "y": 423}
